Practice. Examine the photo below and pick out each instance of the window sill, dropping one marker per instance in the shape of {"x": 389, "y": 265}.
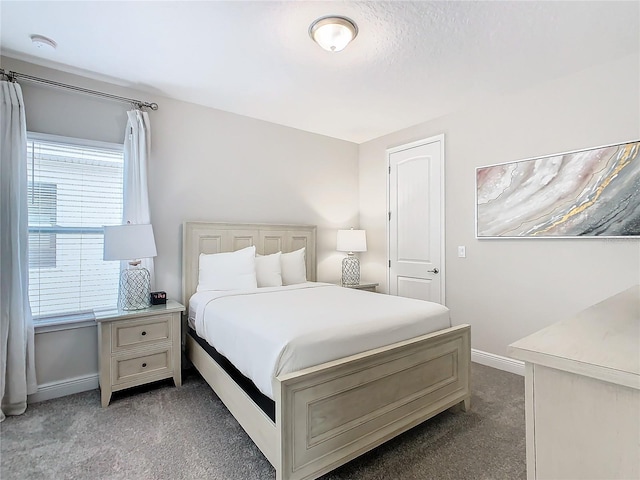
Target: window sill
{"x": 64, "y": 322}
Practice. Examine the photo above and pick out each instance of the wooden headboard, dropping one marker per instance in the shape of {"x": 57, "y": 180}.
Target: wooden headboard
{"x": 203, "y": 237}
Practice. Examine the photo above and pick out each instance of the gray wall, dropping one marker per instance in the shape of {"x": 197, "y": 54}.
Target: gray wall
{"x": 507, "y": 289}
{"x": 205, "y": 165}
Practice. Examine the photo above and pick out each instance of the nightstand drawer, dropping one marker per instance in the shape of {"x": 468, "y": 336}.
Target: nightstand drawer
{"x": 140, "y": 332}
{"x": 132, "y": 368}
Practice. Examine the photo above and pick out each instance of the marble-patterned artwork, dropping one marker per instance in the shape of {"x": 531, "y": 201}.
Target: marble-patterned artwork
{"x": 589, "y": 193}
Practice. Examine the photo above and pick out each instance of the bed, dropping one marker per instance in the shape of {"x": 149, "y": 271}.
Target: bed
{"x": 321, "y": 416}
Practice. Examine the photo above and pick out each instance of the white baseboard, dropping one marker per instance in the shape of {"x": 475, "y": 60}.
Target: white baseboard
{"x": 497, "y": 361}
{"x": 47, "y": 391}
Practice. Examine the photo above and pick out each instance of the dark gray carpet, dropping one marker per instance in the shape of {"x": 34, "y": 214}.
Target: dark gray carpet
{"x": 187, "y": 433}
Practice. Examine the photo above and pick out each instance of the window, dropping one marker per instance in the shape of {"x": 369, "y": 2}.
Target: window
{"x": 75, "y": 188}
{"x": 42, "y": 216}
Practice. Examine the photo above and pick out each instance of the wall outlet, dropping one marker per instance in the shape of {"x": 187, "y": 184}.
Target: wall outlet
{"x": 462, "y": 251}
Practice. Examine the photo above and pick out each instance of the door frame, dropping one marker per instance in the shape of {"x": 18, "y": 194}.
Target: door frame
{"x": 407, "y": 146}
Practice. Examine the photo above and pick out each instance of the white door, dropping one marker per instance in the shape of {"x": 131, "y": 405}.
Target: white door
{"x": 416, "y": 220}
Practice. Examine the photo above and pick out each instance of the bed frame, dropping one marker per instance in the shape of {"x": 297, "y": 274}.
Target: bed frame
{"x": 331, "y": 413}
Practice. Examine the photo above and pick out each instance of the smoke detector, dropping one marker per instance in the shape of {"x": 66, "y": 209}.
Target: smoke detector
{"x": 43, "y": 42}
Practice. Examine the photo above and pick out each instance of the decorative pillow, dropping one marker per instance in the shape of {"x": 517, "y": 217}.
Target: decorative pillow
{"x": 268, "y": 270}
{"x": 228, "y": 271}
{"x": 294, "y": 268}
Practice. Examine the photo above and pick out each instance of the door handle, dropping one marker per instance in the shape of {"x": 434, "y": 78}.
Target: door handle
{"x": 435, "y": 270}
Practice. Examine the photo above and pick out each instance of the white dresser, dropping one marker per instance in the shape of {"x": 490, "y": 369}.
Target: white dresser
{"x": 582, "y": 393}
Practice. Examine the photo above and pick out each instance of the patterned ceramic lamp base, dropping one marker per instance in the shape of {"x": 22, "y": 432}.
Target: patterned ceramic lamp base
{"x": 350, "y": 270}
{"x": 134, "y": 289}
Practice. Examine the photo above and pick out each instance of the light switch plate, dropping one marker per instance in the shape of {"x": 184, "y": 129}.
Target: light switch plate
{"x": 462, "y": 251}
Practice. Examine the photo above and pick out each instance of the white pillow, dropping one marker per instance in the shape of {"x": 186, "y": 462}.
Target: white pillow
{"x": 228, "y": 271}
{"x": 268, "y": 271}
{"x": 294, "y": 268}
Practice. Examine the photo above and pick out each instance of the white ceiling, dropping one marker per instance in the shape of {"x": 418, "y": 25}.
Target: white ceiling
{"x": 411, "y": 61}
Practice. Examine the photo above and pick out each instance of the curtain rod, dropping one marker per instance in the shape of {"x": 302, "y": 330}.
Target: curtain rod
{"x": 12, "y": 76}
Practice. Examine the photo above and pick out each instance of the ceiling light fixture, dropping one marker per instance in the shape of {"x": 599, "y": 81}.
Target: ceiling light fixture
{"x": 43, "y": 42}
{"x": 333, "y": 33}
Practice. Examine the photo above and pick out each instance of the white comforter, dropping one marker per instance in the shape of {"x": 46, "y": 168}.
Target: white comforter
{"x": 272, "y": 331}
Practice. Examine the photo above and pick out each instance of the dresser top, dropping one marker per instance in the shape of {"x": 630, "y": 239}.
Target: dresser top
{"x": 111, "y": 314}
{"x": 602, "y": 341}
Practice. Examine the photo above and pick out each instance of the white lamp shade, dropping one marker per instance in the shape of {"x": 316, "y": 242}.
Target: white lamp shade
{"x": 129, "y": 242}
{"x": 352, "y": 241}
{"x": 333, "y": 33}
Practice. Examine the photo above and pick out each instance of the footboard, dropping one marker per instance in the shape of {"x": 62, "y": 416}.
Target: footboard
{"x": 332, "y": 413}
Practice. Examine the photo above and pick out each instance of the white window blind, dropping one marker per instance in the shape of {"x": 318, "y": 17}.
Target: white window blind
{"x": 75, "y": 188}
{"x": 42, "y": 213}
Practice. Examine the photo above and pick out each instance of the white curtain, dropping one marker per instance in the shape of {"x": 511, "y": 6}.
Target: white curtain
{"x": 137, "y": 146}
{"x": 17, "y": 367}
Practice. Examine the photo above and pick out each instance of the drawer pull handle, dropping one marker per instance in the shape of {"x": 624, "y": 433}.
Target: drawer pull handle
{"x": 143, "y": 333}
{"x": 144, "y": 365}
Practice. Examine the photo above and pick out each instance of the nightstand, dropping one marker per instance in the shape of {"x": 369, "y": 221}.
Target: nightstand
{"x": 138, "y": 347}
{"x": 369, "y": 287}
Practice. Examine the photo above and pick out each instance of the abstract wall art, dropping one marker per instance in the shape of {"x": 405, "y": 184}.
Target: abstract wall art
{"x": 586, "y": 193}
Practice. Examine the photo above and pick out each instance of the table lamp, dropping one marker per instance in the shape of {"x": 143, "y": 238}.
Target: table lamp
{"x": 131, "y": 242}
{"x": 351, "y": 241}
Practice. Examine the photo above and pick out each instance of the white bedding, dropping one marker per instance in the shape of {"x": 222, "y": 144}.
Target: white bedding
{"x": 271, "y": 331}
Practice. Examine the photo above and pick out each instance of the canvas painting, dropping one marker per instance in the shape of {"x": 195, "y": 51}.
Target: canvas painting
{"x": 587, "y": 193}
